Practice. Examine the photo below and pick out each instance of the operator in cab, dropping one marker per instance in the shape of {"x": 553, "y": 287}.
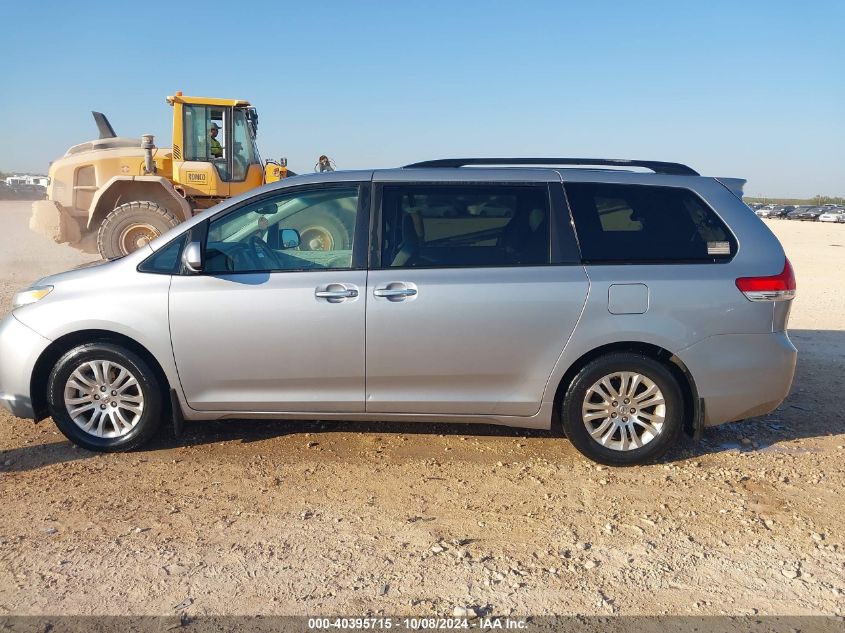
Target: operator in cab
{"x": 214, "y": 146}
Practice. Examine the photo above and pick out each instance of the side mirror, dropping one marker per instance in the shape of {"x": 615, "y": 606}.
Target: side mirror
{"x": 192, "y": 257}
{"x": 283, "y": 162}
{"x": 289, "y": 238}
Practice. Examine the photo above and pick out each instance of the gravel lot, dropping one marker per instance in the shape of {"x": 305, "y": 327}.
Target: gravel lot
{"x": 318, "y": 518}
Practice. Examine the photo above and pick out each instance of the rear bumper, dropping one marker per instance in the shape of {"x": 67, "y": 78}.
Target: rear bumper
{"x": 20, "y": 348}
{"x": 741, "y": 375}
{"x": 52, "y": 220}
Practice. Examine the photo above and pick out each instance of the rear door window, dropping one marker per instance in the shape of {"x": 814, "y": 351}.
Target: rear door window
{"x": 646, "y": 224}
{"x": 437, "y": 226}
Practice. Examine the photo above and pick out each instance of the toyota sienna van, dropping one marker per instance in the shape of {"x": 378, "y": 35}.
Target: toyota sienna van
{"x": 629, "y": 302}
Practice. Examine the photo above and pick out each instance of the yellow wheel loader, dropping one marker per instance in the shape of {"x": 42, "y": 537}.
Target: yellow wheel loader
{"x": 124, "y": 192}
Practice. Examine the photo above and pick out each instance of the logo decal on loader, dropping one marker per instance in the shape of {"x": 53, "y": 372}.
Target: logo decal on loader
{"x": 196, "y": 176}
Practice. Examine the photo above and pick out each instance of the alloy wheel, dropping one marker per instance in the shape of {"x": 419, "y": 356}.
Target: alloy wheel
{"x": 104, "y": 399}
{"x": 624, "y": 411}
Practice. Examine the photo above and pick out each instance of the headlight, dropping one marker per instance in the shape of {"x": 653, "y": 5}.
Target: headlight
{"x": 30, "y": 295}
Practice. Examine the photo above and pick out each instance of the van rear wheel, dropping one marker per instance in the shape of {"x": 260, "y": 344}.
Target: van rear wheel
{"x": 623, "y": 409}
{"x": 131, "y": 226}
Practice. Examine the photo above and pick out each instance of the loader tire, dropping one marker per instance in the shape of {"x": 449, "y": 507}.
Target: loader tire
{"x": 322, "y": 231}
{"x": 132, "y": 225}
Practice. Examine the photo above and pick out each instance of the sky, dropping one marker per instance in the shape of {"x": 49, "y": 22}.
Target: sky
{"x": 748, "y": 89}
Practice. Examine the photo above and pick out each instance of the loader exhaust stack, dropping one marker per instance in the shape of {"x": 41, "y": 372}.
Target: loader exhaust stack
{"x": 148, "y": 145}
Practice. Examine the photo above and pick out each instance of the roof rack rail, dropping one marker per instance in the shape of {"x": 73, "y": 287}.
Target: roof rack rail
{"x": 658, "y": 167}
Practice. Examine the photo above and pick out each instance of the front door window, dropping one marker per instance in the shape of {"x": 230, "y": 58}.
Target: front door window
{"x": 301, "y": 230}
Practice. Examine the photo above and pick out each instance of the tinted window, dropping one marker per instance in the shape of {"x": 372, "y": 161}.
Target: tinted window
{"x": 165, "y": 260}
{"x": 434, "y": 226}
{"x": 636, "y": 223}
{"x": 302, "y": 230}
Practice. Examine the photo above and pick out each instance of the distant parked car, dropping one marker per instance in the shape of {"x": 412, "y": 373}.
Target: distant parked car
{"x": 774, "y": 212}
{"x": 811, "y": 213}
{"x": 29, "y": 192}
{"x": 833, "y": 215}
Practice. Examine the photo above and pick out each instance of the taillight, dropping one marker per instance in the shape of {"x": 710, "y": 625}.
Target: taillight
{"x": 779, "y": 287}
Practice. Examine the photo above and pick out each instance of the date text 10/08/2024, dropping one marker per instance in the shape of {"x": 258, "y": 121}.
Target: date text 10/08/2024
{"x": 416, "y": 624}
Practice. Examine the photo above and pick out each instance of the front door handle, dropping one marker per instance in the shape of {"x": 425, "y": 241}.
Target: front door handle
{"x": 394, "y": 292}
{"x": 336, "y": 294}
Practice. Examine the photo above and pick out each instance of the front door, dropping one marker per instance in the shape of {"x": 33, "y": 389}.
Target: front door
{"x": 275, "y": 321}
{"x": 472, "y": 302}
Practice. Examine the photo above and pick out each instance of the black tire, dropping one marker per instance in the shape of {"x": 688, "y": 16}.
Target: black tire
{"x": 576, "y": 429}
{"x": 114, "y": 237}
{"x": 150, "y": 419}
{"x": 315, "y": 227}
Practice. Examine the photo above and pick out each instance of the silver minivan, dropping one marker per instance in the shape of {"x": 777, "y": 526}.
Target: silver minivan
{"x": 628, "y": 306}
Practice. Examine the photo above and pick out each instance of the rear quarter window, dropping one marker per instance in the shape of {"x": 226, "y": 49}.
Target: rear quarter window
{"x": 646, "y": 224}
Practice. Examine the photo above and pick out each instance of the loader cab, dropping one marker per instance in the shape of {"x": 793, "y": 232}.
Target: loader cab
{"x": 198, "y": 169}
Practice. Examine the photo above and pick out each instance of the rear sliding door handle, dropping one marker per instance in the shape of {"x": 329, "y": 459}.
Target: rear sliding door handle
{"x": 395, "y": 292}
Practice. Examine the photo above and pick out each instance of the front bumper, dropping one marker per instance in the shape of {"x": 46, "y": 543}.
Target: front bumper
{"x": 741, "y": 376}
{"x": 51, "y": 219}
{"x": 20, "y": 348}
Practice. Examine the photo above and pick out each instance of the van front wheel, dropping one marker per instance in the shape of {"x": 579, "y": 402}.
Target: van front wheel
{"x": 104, "y": 397}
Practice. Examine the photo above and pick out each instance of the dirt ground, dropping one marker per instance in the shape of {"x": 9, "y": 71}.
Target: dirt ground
{"x": 318, "y": 518}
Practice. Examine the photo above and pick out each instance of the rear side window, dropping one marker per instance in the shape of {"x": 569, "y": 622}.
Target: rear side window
{"x": 434, "y": 226}
{"x": 646, "y": 224}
